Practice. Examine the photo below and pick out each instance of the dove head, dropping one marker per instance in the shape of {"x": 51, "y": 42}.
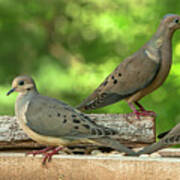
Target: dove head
{"x": 169, "y": 24}
{"x": 22, "y": 84}
{"x": 172, "y": 21}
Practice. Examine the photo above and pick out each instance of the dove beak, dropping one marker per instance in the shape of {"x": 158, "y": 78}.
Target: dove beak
{"x": 10, "y": 91}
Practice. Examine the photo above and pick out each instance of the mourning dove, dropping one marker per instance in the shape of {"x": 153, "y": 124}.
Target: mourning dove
{"x": 139, "y": 74}
{"x": 168, "y": 138}
{"x": 54, "y": 123}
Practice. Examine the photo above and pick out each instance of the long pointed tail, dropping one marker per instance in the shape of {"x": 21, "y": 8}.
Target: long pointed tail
{"x": 116, "y": 145}
{"x": 152, "y": 148}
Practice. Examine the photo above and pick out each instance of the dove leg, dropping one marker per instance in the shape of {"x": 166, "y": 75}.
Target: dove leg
{"x": 145, "y": 112}
{"x": 48, "y": 155}
{"x": 42, "y": 151}
{"x": 139, "y": 113}
{"x": 140, "y": 106}
{"x": 135, "y": 111}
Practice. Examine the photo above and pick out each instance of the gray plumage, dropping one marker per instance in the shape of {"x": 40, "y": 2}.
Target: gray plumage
{"x": 139, "y": 74}
{"x": 52, "y": 122}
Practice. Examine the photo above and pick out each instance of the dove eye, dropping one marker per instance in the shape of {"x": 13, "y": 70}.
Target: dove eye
{"x": 21, "y": 83}
{"x": 176, "y": 21}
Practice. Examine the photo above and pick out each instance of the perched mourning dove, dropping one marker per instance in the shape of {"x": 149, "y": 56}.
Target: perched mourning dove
{"x": 139, "y": 74}
{"x": 168, "y": 138}
{"x": 54, "y": 123}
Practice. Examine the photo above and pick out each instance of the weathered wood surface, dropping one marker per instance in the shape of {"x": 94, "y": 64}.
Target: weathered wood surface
{"x": 132, "y": 131}
{"x": 17, "y": 166}
{"x": 170, "y": 152}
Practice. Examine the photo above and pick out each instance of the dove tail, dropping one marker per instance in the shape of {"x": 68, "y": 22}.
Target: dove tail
{"x": 152, "y": 148}
{"x": 116, "y": 145}
{"x": 101, "y": 100}
{"x": 160, "y": 136}
{"x": 91, "y": 104}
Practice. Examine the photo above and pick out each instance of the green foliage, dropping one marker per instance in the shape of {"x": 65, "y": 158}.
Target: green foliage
{"x": 69, "y": 47}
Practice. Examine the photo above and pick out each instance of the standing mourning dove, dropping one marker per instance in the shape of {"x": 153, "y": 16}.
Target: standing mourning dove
{"x": 54, "y": 123}
{"x": 139, "y": 74}
{"x": 168, "y": 138}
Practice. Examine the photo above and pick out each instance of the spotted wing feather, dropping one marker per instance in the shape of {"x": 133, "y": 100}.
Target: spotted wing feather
{"x": 132, "y": 75}
{"x": 50, "y": 117}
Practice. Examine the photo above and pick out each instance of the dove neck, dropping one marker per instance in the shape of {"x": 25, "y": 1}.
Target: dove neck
{"x": 23, "y": 99}
{"x": 164, "y": 33}
{"x": 31, "y": 92}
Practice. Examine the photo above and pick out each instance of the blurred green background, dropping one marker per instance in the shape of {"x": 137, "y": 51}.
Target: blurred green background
{"x": 69, "y": 47}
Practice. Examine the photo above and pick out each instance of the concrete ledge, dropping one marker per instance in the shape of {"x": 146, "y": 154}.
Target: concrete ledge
{"x": 74, "y": 167}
